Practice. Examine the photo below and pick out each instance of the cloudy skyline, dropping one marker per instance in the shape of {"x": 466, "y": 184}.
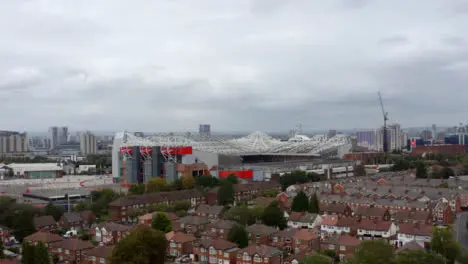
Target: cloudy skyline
{"x": 241, "y": 65}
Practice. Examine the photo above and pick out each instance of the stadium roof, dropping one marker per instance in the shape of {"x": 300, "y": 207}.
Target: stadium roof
{"x": 256, "y": 142}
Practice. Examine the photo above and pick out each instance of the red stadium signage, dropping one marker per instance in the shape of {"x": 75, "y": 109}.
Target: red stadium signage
{"x": 146, "y": 150}
{"x": 243, "y": 174}
{"x": 177, "y": 150}
{"x": 126, "y": 150}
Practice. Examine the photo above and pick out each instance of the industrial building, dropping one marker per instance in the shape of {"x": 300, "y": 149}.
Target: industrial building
{"x": 136, "y": 159}
{"x": 36, "y": 170}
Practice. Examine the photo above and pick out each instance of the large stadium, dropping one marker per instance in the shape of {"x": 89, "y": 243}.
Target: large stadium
{"x": 135, "y": 159}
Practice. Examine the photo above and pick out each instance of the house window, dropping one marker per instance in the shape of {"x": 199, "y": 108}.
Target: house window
{"x": 226, "y": 255}
{"x": 342, "y": 248}
{"x": 213, "y": 260}
{"x": 265, "y": 260}
{"x": 67, "y": 251}
{"x": 331, "y": 247}
{"x": 257, "y": 259}
{"x": 102, "y": 260}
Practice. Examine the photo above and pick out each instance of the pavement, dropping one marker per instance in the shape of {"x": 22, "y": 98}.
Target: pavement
{"x": 461, "y": 232}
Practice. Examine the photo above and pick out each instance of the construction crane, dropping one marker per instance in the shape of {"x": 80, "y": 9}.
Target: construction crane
{"x": 385, "y": 118}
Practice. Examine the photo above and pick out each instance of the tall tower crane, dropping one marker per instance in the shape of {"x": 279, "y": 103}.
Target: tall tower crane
{"x": 385, "y": 118}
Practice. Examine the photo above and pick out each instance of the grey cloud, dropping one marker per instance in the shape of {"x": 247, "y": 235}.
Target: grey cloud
{"x": 249, "y": 65}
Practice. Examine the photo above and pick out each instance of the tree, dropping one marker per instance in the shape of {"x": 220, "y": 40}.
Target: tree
{"x": 2, "y": 255}
{"x": 374, "y": 251}
{"x": 443, "y": 243}
{"x": 41, "y": 255}
{"x": 300, "y": 202}
{"x": 23, "y": 224}
{"x": 226, "y": 193}
{"x": 241, "y": 214}
{"x": 359, "y": 170}
{"x": 27, "y": 253}
{"x": 273, "y": 216}
{"x": 316, "y": 259}
{"x": 207, "y": 181}
{"x": 156, "y": 184}
{"x": 421, "y": 170}
{"x": 188, "y": 182}
{"x": 418, "y": 257}
{"x": 143, "y": 245}
{"x": 161, "y": 222}
{"x": 233, "y": 179}
{"x": 137, "y": 189}
{"x": 314, "y": 204}
{"x": 55, "y": 211}
{"x": 238, "y": 235}
{"x": 446, "y": 172}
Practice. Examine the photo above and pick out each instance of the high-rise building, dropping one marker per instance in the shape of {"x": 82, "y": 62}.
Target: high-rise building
{"x": 53, "y": 136}
{"x": 366, "y": 138}
{"x": 426, "y": 134}
{"x": 204, "y": 130}
{"x": 394, "y": 138}
{"x": 62, "y": 135}
{"x": 12, "y": 142}
{"x": 331, "y": 133}
{"x": 434, "y": 131}
{"x": 88, "y": 144}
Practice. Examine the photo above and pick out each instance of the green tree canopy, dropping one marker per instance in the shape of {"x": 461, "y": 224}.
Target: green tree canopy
{"x": 238, "y": 235}
{"x": 443, "y": 243}
{"x": 55, "y": 211}
{"x": 418, "y": 257}
{"x": 157, "y": 184}
{"x": 270, "y": 193}
{"x": 27, "y": 256}
{"x": 314, "y": 204}
{"x": 374, "y": 251}
{"x": 233, "y": 179}
{"x": 273, "y": 216}
{"x": 136, "y": 189}
{"x": 446, "y": 172}
{"x": 241, "y": 214}
{"x": 101, "y": 200}
{"x": 226, "y": 193}
{"x": 300, "y": 202}
{"x": 41, "y": 255}
{"x": 316, "y": 259}
{"x": 143, "y": 245}
{"x": 188, "y": 182}
{"x": 421, "y": 169}
{"x": 161, "y": 222}
{"x": 207, "y": 181}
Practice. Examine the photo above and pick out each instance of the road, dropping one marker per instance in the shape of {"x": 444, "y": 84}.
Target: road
{"x": 460, "y": 229}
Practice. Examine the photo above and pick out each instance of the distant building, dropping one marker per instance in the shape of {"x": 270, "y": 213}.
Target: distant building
{"x": 394, "y": 138}
{"x": 331, "y": 133}
{"x": 13, "y": 142}
{"x": 426, "y": 134}
{"x": 366, "y": 139}
{"x": 204, "y": 130}
{"x": 53, "y": 136}
{"x": 58, "y": 136}
{"x": 88, "y": 144}
{"x": 139, "y": 134}
{"x": 62, "y": 135}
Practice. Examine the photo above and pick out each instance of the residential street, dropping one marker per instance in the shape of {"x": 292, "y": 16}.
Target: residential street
{"x": 461, "y": 231}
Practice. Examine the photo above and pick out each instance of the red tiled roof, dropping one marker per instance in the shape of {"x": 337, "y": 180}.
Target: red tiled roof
{"x": 347, "y": 240}
{"x": 218, "y": 244}
{"x": 367, "y": 224}
{"x": 73, "y": 244}
{"x": 100, "y": 252}
{"x": 262, "y": 250}
{"x": 180, "y": 237}
{"x": 329, "y": 220}
{"x": 416, "y": 229}
{"x": 44, "y": 237}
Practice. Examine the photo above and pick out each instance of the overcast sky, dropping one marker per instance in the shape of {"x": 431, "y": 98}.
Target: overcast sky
{"x": 239, "y": 65}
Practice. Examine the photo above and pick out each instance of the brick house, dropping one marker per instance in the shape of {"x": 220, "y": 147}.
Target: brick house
{"x": 244, "y": 192}
{"x": 45, "y": 223}
{"x": 304, "y": 220}
{"x": 423, "y": 217}
{"x": 213, "y": 212}
{"x": 147, "y": 219}
{"x": 110, "y": 233}
{"x": 259, "y": 254}
{"x": 333, "y": 225}
{"x": 191, "y": 224}
{"x": 295, "y": 240}
{"x": 215, "y": 251}
{"x": 70, "y": 250}
{"x": 71, "y": 221}
{"x": 345, "y": 246}
{"x": 218, "y": 229}
{"x": 97, "y": 255}
{"x": 119, "y": 209}
{"x": 376, "y": 229}
{"x": 338, "y": 209}
{"x": 421, "y": 233}
{"x": 45, "y": 237}
{"x": 260, "y": 233}
{"x": 442, "y": 213}
{"x": 372, "y": 213}
{"x": 180, "y": 243}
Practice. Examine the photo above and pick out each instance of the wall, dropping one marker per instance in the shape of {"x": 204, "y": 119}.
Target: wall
{"x": 41, "y": 174}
